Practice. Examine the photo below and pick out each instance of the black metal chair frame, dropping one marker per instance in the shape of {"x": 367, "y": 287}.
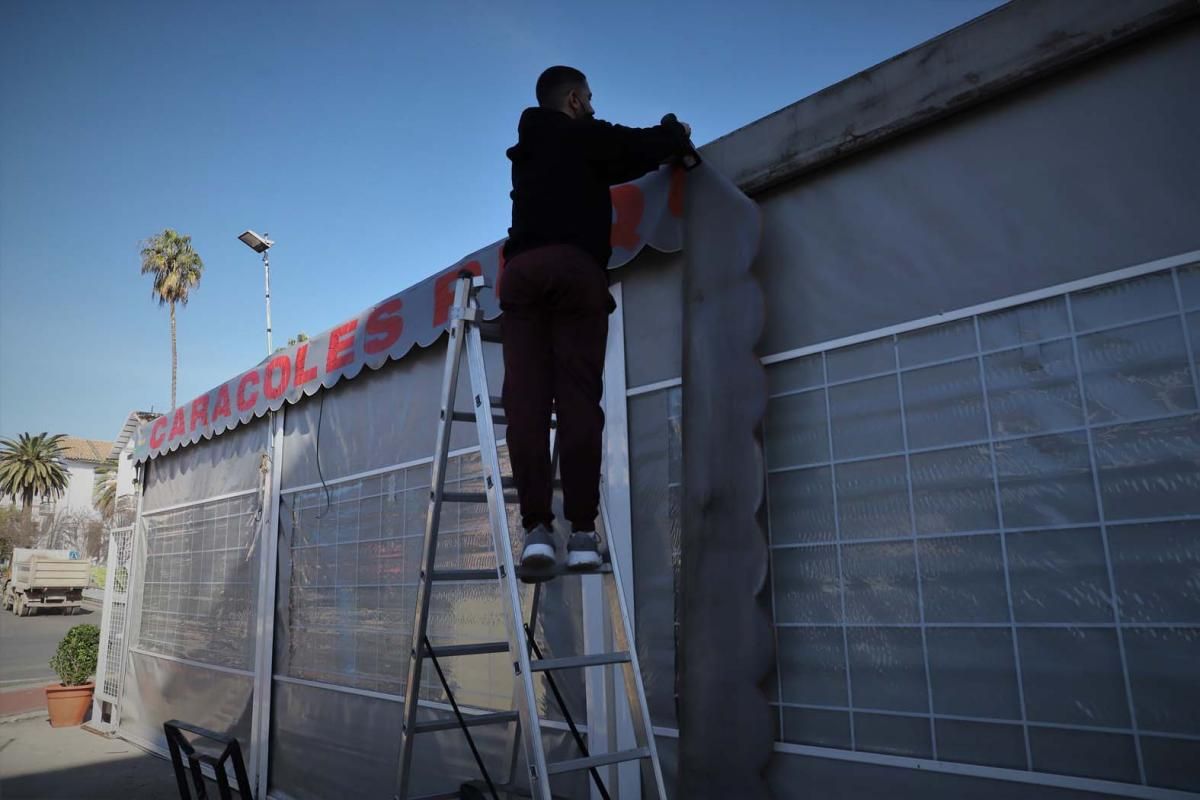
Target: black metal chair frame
{"x": 180, "y": 746}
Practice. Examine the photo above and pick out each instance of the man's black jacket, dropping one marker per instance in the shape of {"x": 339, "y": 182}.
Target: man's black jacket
{"x": 562, "y": 170}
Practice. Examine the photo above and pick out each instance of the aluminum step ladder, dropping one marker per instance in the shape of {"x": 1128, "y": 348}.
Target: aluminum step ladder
{"x": 468, "y": 327}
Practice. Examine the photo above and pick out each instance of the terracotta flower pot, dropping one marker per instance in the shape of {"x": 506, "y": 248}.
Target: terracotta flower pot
{"x": 68, "y": 705}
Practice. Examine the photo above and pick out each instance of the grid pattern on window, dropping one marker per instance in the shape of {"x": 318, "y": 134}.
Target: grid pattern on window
{"x": 120, "y": 550}
{"x": 355, "y": 558}
{"x": 201, "y": 578}
{"x": 985, "y": 537}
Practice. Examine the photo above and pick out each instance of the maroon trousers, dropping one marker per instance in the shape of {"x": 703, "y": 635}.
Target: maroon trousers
{"x": 555, "y": 325}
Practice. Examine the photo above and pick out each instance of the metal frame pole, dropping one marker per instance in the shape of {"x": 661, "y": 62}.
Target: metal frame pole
{"x": 267, "y": 285}
{"x": 616, "y": 488}
{"x": 133, "y": 588}
{"x": 268, "y": 567}
{"x": 531, "y": 728}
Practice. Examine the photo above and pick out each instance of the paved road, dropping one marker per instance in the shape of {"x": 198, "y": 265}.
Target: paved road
{"x": 27, "y": 643}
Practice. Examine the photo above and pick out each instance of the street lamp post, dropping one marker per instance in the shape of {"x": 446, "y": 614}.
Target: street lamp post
{"x": 261, "y": 244}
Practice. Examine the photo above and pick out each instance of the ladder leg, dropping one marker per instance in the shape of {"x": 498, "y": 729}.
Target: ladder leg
{"x": 461, "y": 722}
{"x": 514, "y": 737}
{"x": 562, "y": 705}
{"x": 412, "y": 687}
{"x": 539, "y": 778}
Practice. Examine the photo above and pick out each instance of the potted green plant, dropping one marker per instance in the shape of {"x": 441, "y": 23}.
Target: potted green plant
{"x": 75, "y": 663}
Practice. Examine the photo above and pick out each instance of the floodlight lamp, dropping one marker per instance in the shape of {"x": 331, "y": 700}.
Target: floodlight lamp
{"x": 259, "y": 244}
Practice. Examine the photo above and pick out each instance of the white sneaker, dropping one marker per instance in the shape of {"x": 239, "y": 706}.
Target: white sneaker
{"x": 539, "y": 549}
{"x": 583, "y": 551}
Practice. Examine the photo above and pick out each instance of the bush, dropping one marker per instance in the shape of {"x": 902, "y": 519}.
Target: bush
{"x": 75, "y": 661}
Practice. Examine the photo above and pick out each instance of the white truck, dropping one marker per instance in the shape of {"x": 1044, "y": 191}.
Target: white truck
{"x": 45, "y": 579}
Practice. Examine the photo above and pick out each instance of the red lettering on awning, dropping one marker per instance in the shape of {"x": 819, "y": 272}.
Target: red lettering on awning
{"x": 303, "y": 375}
{"x": 245, "y": 403}
{"x": 221, "y": 409}
{"x": 341, "y": 346}
{"x": 282, "y": 365}
{"x": 675, "y": 193}
{"x": 158, "y": 432}
{"x": 629, "y": 203}
{"x": 384, "y": 326}
{"x": 200, "y": 411}
{"x": 178, "y": 424}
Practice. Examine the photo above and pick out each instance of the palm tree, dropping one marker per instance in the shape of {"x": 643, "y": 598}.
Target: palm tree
{"x": 176, "y": 268}
{"x": 104, "y": 492}
{"x": 31, "y": 466}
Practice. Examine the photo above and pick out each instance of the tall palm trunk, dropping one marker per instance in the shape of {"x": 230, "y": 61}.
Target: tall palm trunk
{"x": 174, "y": 357}
{"x": 27, "y": 504}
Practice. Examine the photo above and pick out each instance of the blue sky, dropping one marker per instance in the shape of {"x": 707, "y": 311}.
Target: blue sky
{"x": 368, "y": 138}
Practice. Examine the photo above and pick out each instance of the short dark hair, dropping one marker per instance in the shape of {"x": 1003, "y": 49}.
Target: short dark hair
{"x": 554, "y": 83}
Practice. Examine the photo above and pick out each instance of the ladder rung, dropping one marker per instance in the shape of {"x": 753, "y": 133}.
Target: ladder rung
{"x": 498, "y": 419}
{"x": 490, "y": 331}
{"x": 467, "y": 416}
{"x": 497, "y": 404}
{"x": 473, "y": 497}
{"x": 509, "y": 482}
{"x": 465, "y": 575}
{"x": 443, "y": 576}
{"x": 477, "y": 649}
{"x": 471, "y": 721}
{"x": 576, "y": 764}
{"x": 559, "y": 570}
{"x": 571, "y": 662}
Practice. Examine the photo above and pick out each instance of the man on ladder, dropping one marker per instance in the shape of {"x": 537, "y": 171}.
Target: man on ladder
{"x": 554, "y": 295}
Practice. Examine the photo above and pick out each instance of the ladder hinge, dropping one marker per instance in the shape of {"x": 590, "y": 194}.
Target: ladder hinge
{"x": 517, "y": 667}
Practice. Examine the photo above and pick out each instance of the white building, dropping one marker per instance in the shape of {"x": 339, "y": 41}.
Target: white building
{"x": 122, "y": 452}
{"x": 81, "y": 458}
{"x": 64, "y": 519}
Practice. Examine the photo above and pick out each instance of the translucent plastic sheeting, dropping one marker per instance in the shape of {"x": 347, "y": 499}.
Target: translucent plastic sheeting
{"x": 827, "y": 777}
{"x": 200, "y": 582}
{"x": 197, "y": 579}
{"x": 219, "y": 466}
{"x": 350, "y": 554}
{"x": 380, "y": 419}
{"x": 157, "y": 690}
{"x": 986, "y": 538}
{"x": 332, "y": 744}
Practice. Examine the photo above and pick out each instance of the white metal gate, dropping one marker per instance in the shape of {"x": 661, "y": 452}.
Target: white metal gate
{"x": 113, "y": 625}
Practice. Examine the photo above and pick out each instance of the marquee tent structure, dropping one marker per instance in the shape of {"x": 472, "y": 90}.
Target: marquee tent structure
{"x": 902, "y": 453}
